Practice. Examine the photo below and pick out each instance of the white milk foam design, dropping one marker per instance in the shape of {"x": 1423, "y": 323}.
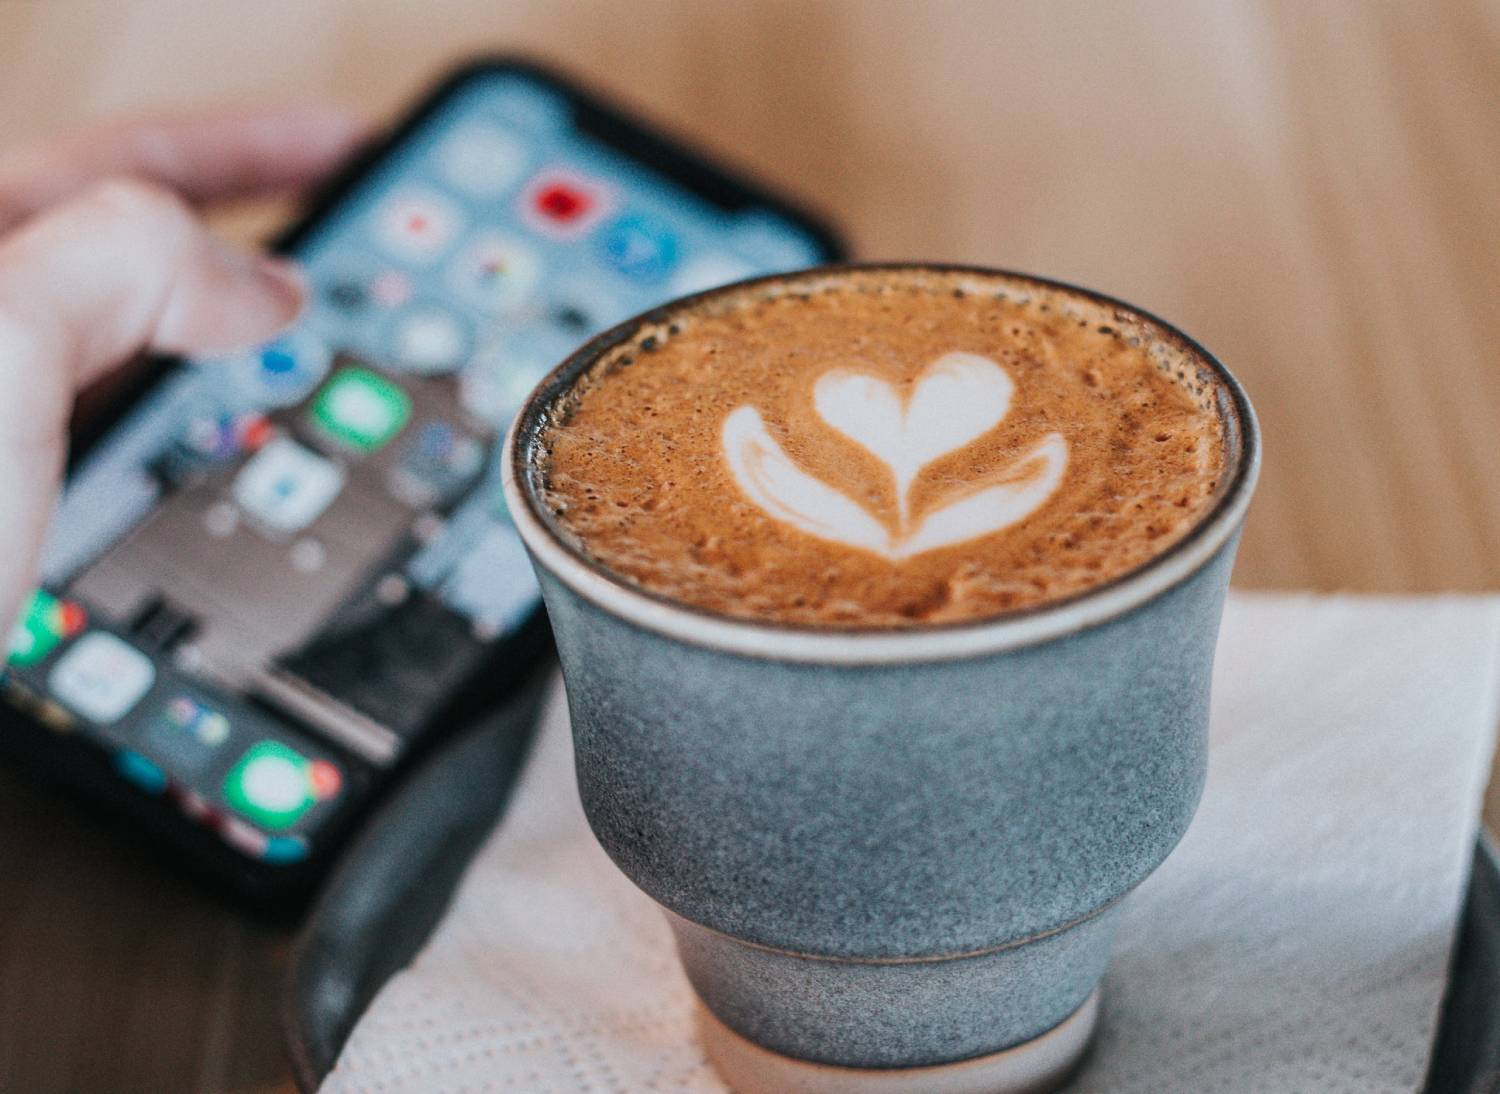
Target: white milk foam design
{"x": 958, "y": 397}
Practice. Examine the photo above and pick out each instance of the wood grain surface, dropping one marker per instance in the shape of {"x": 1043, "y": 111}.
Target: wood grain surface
{"x": 1307, "y": 188}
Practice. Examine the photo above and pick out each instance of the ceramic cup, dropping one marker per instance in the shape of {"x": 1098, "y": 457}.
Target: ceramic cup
{"x": 892, "y": 859}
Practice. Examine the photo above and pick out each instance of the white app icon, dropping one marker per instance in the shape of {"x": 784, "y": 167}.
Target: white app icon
{"x": 709, "y": 271}
{"x": 482, "y": 160}
{"x": 496, "y": 271}
{"x": 430, "y": 340}
{"x": 417, "y": 225}
{"x": 286, "y": 486}
{"x": 101, "y": 677}
{"x": 497, "y": 382}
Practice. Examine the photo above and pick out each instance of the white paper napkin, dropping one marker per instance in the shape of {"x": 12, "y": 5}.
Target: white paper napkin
{"x": 1297, "y": 940}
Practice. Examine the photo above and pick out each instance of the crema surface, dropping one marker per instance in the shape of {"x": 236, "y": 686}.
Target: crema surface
{"x": 885, "y": 448}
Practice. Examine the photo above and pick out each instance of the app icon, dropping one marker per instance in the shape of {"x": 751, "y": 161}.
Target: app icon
{"x": 496, "y": 271}
{"x": 198, "y": 720}
{"x": 285, "y": 486}
{"x": 278, "y": 373}
{"x": 579, "y": 309}
{"x": 482, "y": 159}
{"x": 45, "y": 623}
{"x": 417, "y": 225}
{"x": 137, "y": 769}
{"x": 489, "y": 582}
{"x": 186, "y": 732}
{"x": 242, "y": 837}
{"x": 709, "y": 271}
{"x": 285, "y": 849}
{"x": 495, "y": 385}
{"x": 563, "y": 203}
{"x": 390, "y": 288}
{"x": 361, "y": 409}
{"x": 639, "y": 246}
{"x": 340, "y": 280}
{"x": 573, "y": 318}
{"x": 290, "y": 367}
{"x": 274, "y": 785}
{"x": 101, "y": 677}
{"x": 437, "y": 463}
{"x": 430, "y": 340}
{"x": 24, "y": 697}
{"x": 347, "y": 294}
{"x": 216, "y": 437}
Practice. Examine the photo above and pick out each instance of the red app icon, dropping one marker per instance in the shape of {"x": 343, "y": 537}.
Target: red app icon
{"x": 563, "y": 203}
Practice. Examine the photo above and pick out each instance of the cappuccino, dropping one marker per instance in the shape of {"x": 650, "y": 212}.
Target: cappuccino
{"x": 871, "y": 448}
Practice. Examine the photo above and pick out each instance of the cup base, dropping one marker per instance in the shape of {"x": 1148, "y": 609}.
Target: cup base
{"x": 1032, "y": 1067}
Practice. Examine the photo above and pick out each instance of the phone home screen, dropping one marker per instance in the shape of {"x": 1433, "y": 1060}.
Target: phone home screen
{"x": 267, "y": 579}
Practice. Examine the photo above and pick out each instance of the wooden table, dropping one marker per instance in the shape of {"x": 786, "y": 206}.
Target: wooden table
{"x": 1308, "y": 188}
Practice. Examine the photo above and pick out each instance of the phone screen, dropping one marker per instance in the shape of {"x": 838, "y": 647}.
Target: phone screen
{"x": 266, "y": 580}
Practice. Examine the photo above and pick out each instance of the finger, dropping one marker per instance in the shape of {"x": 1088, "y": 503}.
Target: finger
{"x": 86, "y": 286}
{"x": 208, "y": 157}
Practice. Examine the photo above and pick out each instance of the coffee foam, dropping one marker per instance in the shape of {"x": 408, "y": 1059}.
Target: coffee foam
{"x": 877, "y": 448}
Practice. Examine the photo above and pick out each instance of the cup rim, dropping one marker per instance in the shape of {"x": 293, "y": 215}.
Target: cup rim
{"x": 802, "y": 643}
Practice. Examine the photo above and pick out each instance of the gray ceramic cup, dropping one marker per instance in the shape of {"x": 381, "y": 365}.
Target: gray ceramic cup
{"x": 888, "y": 851}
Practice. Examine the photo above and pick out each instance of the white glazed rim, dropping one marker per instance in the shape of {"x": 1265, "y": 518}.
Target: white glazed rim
{"x": 880, "y": 646}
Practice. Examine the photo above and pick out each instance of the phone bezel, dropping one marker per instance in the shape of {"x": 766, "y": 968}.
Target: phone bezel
{"x": 282, "y": 888}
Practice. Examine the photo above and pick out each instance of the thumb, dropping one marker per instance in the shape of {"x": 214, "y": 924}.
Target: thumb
{"x": 88, "y": 285}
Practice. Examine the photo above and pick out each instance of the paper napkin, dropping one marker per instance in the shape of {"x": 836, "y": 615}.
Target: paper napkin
{"x": 1297, "y": 939}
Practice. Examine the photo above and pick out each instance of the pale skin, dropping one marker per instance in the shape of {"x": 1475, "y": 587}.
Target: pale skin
{"x": 103, "y": 258}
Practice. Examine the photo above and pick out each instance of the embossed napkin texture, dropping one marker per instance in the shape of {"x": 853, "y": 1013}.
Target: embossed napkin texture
{"x": 1297, "y": 939}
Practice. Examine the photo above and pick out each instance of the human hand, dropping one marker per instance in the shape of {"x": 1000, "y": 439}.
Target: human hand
{"x": 102, "y": 258}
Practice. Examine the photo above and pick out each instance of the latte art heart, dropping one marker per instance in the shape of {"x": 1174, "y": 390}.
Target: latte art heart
{"x": 957, "y": 399}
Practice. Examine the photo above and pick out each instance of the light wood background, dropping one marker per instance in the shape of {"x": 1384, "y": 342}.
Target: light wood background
{"x": 1310, "y": 189}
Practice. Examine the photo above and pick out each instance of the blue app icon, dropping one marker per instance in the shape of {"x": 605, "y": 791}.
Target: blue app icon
{"x": 292, "y": 365}
{"x": 282, "y": 372}
{"x": 640, "y": 246}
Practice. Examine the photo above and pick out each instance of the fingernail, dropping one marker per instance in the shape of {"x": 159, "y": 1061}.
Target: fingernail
{"x": 284, "y": 275}
{"x": 284, "y": 278}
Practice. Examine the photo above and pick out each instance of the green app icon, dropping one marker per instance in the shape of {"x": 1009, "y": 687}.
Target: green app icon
{"x": 271, "y": 785}
{"x": 45, "y": 622}
{"x": 361, "y": 409}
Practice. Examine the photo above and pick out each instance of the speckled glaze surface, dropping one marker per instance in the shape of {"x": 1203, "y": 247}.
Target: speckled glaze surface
{"x": 887, "y": 851}
{"x": 891, "y": 1014}
{"x": 980, "y": 816}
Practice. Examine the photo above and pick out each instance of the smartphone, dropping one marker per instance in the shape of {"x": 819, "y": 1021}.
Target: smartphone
{"x": 274, "y": 577}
